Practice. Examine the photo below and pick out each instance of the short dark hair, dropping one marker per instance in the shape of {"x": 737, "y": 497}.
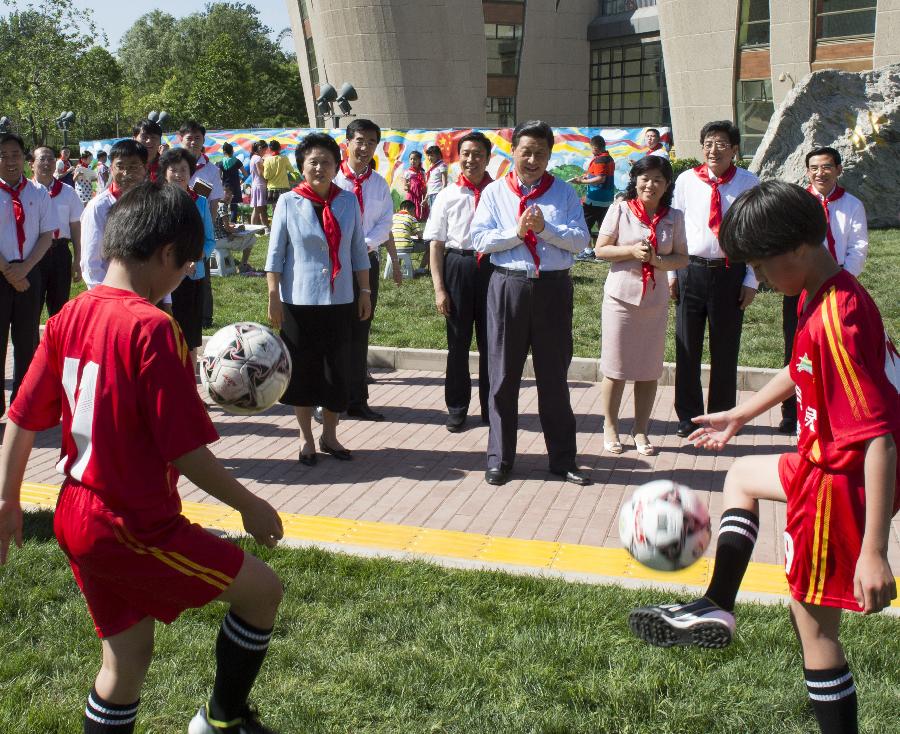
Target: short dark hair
{"x": 316, "y": 140}
{"x": 407, "y": 206}
{"x": 771, "y": 219}
{"x": 65, "y": 148}
{"x": 533, "y": 129}
{"x": 433, "y": 150}
{"x": 146, "y": 126}
{"x": 363, "y": 126}
{"x": 825, "y": 150}
{"x": 417, "y": 153}
{"x": 174, "y": 156}
{"x": 652, "y": 130}
{"x": 227, "y": 149}
{"x": 475, "y": 137}
{"x": 651, "y": 163}
{"x": 598, "y": 141}
{"x": 721, "y": 126}
{"x": 101, "y": 154}
{"x": 150, "y": 216}
{"x": 85, "y": 154}
{"x": 48, "y": 147}
{"x": 274, "y": 145}
{"x": 128, "y": 148}
{"x": 12, "y": 138}
{"x": 258, "y": 146}
{"x": 191, "y": 126}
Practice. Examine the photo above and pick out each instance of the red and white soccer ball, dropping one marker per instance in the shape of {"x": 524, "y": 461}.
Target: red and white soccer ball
{"x": 664, "y": 525}
{"x": 245, "y": 368}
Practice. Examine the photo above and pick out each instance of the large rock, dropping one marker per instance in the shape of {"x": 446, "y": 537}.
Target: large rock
{"x": 856, "y": 113}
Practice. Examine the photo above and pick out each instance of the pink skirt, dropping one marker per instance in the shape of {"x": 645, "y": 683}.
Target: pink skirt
{"x": 259, "y": 195}
{"x": 633, "y": 338}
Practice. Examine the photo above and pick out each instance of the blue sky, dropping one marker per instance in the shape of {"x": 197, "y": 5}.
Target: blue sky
{"x": 115, "y": 17}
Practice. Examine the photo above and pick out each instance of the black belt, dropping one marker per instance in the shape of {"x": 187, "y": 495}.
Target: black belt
{"x": 531, "y": 274}
{"x": 464, "y": 253}
{"x": 716, "y": 262}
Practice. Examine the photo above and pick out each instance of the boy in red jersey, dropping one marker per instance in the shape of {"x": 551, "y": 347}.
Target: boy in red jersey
{"x": 841, "y": 487}
{"x": 117, "y": 370}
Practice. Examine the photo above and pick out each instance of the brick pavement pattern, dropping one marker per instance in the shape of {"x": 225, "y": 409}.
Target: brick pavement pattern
{"x": 409, "y": 470}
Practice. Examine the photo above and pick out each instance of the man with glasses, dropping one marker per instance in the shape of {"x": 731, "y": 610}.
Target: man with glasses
{"x": 709, "y": 289}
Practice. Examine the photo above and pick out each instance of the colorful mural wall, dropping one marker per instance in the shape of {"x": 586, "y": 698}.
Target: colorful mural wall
{"x": 571, "y": 152}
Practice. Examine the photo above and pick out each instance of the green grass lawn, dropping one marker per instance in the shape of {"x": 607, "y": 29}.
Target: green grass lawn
{"x": 367, "y": 646}
{"x": 406, "y": 316}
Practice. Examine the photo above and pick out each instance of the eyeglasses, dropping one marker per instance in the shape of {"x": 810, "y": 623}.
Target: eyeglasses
{"x": 717, "y": 144}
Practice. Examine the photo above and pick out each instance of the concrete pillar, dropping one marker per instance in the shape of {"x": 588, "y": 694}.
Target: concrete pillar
{"x": 887, "y": 33}
{"x": 790, "y": 45}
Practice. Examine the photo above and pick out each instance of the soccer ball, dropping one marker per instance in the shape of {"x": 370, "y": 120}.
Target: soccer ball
{"x": 664, "y": 525}
{"x": 245, "y": 368}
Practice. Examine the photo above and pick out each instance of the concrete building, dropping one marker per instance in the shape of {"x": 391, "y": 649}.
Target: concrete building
{"x": 609, "y": 63}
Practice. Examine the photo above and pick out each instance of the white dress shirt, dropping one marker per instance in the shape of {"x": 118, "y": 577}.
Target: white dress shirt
{"x": 209, "y": 173}
{"x": 378, "y": 207}
{"x": 496, "y": 221}
{"x": 450, "y": 220}
{"x": 68, "y": 208}
{"x": 93, "y": 222}
{"x": 661, "y": 152}
{"x": 40, "y": 217}
{"x": 692, "y": 197}
{"x": 847, "y": 216}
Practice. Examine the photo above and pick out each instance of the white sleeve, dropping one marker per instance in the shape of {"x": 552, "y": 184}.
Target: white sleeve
{"x": 381, "y": 228}
{"x": 93, "y": 267}
{"x": 436, "y": 225}
{"x": 857, "y": 242}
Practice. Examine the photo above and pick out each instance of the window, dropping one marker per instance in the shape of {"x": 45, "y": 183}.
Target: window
{"x": 754, "y": 109}
{"x": 504, "y": 42}
{"x": 628, "y": 85}
{"x": 754, "y": 27}
{"x": 500, "y": 111}
{"x": 845, "y": 18}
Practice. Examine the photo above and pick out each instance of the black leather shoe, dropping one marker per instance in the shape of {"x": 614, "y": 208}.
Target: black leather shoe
{"x": 455, "y": 422}
{"x": 370, "y": 380}
{"x": 574, "y": 476}
{"x": 788, "y": 426}
{"x": 364, "y": 413}
{"x": 309, "y": 459}
{"x": 497, "y": 476}
{"x": 318, "y": 416}
{"x": 686, "y": 428}
{"x": 339, "y": 454}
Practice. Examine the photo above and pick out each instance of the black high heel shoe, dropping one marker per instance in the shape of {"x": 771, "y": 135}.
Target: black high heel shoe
{"x": 339, "y": 454}
{"x": 309, "y": 459}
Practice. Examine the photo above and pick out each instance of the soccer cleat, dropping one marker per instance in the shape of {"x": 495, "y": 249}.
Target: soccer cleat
{"x": 248, "y": 723}
{"x": 699, "y": 623}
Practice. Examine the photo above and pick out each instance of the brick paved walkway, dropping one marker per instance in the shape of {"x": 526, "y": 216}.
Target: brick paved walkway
{"x": 409, "y": 470}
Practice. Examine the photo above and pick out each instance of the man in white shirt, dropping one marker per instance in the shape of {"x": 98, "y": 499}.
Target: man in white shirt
{"x": 709, "y": 289}
{"x": 57, "y": 270}
{"x": 532, "y": 225}
{"x": 357, "y": 175}
{"x": 461, "y": 278}
{"x": 27, "y": 221}
{"x": 654, "y": 143}
{"x": 847, "y": 239}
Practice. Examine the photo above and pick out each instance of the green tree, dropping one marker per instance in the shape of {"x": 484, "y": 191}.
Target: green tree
{"x": 220, "y": 93}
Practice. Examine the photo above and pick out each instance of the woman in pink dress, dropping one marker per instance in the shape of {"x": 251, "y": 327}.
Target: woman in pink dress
{"x": 259, "y": 195}
{"x": 641, "y": 238}
{"x": 415, "y": 185}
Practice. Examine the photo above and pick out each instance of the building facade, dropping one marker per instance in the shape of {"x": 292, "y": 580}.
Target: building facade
{"x": 609, "y": 63}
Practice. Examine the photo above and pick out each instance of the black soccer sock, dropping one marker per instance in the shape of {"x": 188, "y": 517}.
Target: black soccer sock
{"x": 103, "y": 717}
{"x": 737, "y": 536}
{"x": 240, "y": 651}
{"x": 833, "y": 698}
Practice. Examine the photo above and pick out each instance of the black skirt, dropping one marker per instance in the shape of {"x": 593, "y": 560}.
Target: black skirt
{"x": 187, "y": 308}
{"x": 318, "y": 339}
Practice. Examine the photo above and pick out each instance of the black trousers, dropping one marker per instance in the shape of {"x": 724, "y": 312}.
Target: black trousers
{"x": 56, "y": 276}
{"x": 707, "y": 294}
{"x": 467, "y": 285}
{"x": 359, "y": 339}
{"x": 530, "y": 313}
{"x": 789, "y": 328}
{"x": 20, "y": 316}
{"x": 594, "y": 214}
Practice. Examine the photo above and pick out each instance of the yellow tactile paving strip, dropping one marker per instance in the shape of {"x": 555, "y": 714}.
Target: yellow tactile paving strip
{"x": 762, "y": 578}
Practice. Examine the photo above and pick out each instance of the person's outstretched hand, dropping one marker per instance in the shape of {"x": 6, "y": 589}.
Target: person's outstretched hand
{"x": 716, "y": 429}
{"x": 263, "y": 523}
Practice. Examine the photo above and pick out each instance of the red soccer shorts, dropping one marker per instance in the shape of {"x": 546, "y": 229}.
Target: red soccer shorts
{"x": 126, "y": 575}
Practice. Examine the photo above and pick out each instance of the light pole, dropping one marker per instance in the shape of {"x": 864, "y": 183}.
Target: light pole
{"x": 328, "y": 96}
{"x": 63, "y": 122}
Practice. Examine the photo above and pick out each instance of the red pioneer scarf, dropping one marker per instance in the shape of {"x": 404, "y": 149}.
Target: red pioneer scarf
{"x": 637, "y": 208}
{"x": 543, "y": 185}
{"x": 54, "y": 191}
{"x": 715, "y": 202}
{"x": 18, "y": 210}
{"x": 329, "y": 223}
{"x": 357, "y": 182}
{"x": 153, "y": 170}
{"x": 464, "y": 183}
{"x": 199, "y": 164}
{"x": 826, "y": 200}
{"x": 193, "y": 194}
{"x": 114, "y": 190}
{"x": 430, "y": 169}
{"x": 417, "y": 190}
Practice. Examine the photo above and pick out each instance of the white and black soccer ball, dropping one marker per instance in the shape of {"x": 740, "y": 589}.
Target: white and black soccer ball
{"x": 664, "y": 525}
{"x": 245, "y": 368}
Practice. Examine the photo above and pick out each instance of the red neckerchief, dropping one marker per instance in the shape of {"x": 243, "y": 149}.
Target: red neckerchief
{"x": 18, "y": 210}
{"x": 357, "y": 182}
{"x": 464, "y": 183}
{"x": 417, "y": 189}
{"x": 153, "y": 170}
{"x": 655, "y": 147}
{"x": 637, "y": 208}
{"x": 428, "y": 172}
{"x": 199, "y": 164}
{"x": 114, "y": 189}
{"x": 330, "y": 224}
{"x": 715, "y": 202}
{"x": 54, "y": 191}
{"x": 538, "y": 191}
{"x": 193, "y": 194}
{"x": 826, "y": 200}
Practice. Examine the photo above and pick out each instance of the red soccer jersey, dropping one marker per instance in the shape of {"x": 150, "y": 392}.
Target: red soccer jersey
{"x": 845, "y": 370}
{"x": 118, "y": 371}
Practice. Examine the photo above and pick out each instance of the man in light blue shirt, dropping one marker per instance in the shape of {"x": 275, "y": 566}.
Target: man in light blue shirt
{"x": 531, "y": 224}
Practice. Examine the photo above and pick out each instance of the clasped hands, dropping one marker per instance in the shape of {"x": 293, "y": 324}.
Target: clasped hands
{"x": 17, "y": 275}
{"x": 642, "y": 251}
{"x": 532, "y": 219}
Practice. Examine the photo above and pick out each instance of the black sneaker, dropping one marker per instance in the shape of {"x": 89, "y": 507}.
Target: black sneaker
{"x": 455, "y": 422}
{"x": 699, "y": 623}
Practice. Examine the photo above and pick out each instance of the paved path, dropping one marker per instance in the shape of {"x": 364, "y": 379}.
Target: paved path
{"x": 410, "y": 471}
